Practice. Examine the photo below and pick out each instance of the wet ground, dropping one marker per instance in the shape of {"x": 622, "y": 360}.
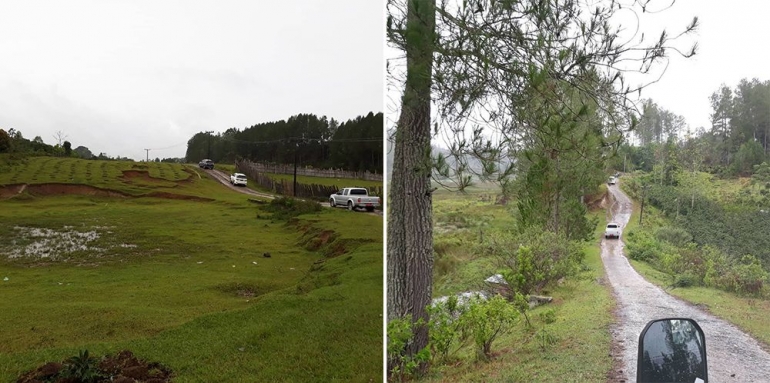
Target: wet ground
{"x": 732, "y": 355}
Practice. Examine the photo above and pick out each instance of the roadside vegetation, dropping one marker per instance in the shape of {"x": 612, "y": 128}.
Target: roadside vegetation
{"x": 185, "y": 272}
{"x": 502, "y": 339}
{"x": 668, "y": 250}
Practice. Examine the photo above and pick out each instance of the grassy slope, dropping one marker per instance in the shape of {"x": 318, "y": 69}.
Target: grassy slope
{"x": 747, "y": 313}
{"x": 582, "y": 306}
{"x": 158, "y": 300}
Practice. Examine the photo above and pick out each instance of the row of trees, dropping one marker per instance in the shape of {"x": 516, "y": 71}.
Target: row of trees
{"x": 14, "y": 142}
{"x": 736, "y": 141}
{"x": 320, "y": 142}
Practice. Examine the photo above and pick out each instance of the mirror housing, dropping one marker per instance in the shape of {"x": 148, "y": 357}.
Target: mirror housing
{"x": 672, "y": 350}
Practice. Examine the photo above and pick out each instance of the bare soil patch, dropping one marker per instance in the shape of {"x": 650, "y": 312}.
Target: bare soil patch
{"x": 123, "y": 367}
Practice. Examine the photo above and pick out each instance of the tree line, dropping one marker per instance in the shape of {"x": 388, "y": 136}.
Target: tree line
{"x": 321, "y": 142}
{"x": 14, "y": 143}
{"x": 737, "y": 140}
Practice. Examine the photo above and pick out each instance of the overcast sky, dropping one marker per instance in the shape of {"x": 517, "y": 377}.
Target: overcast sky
{"x": 732, "y": 46}
{"x": 122, "y": 76}
{"x": 731, "y": 41}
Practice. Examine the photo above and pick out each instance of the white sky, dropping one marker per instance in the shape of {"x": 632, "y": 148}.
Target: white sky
{"x": 122, "y": 76}
{"x": 731, "y": 40}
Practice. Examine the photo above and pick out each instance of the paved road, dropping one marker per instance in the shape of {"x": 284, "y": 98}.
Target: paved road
{"x": 732, "y": 355}
{"x": 224, "y": 179}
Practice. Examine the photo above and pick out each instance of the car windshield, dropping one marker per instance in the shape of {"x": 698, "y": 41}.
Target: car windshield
{"x": 240, "y": 177}
{"x": 612, "y": 226}
{"x": 358, "y": 191}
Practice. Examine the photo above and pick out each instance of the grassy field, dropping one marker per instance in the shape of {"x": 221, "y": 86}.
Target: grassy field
{"x": 184, "y": 281}
{"x": 582, "y": 304}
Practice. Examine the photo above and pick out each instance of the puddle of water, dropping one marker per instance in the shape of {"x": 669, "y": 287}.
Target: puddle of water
{"x": 44, "y": 243}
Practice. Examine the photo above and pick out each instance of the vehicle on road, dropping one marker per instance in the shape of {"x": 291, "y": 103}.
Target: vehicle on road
{"x": 238, "y": 179}
{"x": 354, "y": 198}
{"x": 672, "y": 350}
{"x": 612, "y": 230}
{"x": 612, "y": 181}
{"x": 206, "y": 164}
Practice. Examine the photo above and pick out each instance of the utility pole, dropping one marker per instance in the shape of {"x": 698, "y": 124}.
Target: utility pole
{"x": 641, "y": 211}
{"x": 148, "y": 155}
{"x": 296, "y": 146}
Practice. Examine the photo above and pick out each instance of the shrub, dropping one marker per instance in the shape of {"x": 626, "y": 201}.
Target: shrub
{"x": 534, "y": 259}
{"x": 287, "y": 207}
{"x": 400, "y": 336}
{"x": 749, "y": 275}
{"x": 82, "y": 368}
{"x": 445, "y": 328}
{"x": 485, "y": 320}
{"x": 673, "y": 235}
{"x": 641, "y": 246}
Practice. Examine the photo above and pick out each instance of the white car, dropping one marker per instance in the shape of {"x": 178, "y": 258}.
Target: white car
{"x": 238, "y": 179}
{"x": 612, "y": 181}
{"x": 612, "y": 230}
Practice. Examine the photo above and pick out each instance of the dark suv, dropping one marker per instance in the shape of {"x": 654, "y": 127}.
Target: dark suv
{"x": 206, "y": 164}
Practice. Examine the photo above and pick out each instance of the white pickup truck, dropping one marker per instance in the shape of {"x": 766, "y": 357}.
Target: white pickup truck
{"x": 354, "y": 198}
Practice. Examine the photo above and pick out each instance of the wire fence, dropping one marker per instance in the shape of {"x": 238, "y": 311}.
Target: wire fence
{"x": 257, "y": 172}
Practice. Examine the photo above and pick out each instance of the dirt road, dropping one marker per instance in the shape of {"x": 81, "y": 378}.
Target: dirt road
{"x": 224, "y": 178}
{"x": 732, "y": 355}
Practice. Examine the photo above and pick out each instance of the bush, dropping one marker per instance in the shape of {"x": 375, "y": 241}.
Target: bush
{"x": 287, "y": 207}
{"x": 400, "y": 336}
{"x": 445, "y": 328}
{"x": 534, "y": 259}
{"x": 674, "y": 235}
{"x": 641, "y": 246}
{"x": 485, "y": 320}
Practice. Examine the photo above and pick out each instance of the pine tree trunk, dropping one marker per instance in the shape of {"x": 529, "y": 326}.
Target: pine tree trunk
{"x": 410, "y": 227}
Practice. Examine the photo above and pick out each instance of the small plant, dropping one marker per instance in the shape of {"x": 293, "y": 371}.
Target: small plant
{"x": 544, "y": 337}
{"x": 445, "y": 328}
{"x": 402, "y": 366}
{"x": 82, "y": 367}
{"x": 485, "y": 320}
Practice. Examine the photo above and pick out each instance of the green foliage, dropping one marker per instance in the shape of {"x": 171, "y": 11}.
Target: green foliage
{"x": 287, "y": 207}
{"x": 353, "y": 145}
{"x": 485, "y": 320}
{"x": 750, "y": 154}
{"x": 642, "y": 246}
{"x": 533, "y": 259}
{"x": 5, "y": 142}
{"x": 445, "y": 328}
{"x": 82, "y": 368}
{"x": 674, "y": 235}
{"x": 400, "y": 335}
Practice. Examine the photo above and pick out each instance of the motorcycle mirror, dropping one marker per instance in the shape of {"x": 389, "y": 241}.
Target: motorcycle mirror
{"x": 672, "y": 350}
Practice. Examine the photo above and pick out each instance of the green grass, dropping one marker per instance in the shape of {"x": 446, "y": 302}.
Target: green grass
{"x": 582, "y": 304}
{"x": 175, "y": 282}
{"x": 123, "y": 176}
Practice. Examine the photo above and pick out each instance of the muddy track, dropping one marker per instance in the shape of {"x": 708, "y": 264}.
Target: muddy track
{"x": 224, "y": 179}
{"x": 732, "y": 355}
